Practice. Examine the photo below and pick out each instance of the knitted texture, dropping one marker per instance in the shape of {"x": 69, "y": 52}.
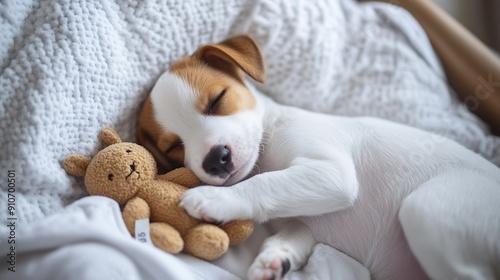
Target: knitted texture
{"x": 70, "y": 68}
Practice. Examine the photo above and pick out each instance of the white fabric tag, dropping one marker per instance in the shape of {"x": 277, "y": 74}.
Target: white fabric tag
{"x": 142, "y": 231}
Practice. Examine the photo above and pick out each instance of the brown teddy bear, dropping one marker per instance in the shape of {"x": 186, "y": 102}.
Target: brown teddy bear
{"x": 127, "y": 173}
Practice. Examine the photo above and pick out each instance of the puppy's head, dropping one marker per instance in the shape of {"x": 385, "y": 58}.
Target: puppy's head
{"x": 200, "y": 114}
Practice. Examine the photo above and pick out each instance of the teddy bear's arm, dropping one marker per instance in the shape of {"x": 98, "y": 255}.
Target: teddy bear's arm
{"x": 238, "y": 231}
{"x": 135, "y": 209}
{"x": 182, "y": 176}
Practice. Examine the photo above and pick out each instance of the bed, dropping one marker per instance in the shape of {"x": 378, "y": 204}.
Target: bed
{"x": 69, "y": 69}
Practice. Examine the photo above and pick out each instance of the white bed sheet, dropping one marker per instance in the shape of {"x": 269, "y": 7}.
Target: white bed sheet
{"x": 89, "y": 240}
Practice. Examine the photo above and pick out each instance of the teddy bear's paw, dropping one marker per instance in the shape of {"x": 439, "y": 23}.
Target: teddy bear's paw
{"x": 166, "y": 237}
{"x": 213, "y": 204}
{"x": 270, "y": 264}
{"x": 206, "y": 241}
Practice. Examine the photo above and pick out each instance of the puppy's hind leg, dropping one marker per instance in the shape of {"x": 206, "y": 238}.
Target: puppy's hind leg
{"x": 286, "y": 251}
{"x": 452, "y": 224}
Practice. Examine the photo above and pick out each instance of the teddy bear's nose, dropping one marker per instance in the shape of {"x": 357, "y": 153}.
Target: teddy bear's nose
{"x": 132, "y": 171}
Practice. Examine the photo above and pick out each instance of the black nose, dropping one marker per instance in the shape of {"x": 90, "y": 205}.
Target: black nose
{"x": 218, "y": 161}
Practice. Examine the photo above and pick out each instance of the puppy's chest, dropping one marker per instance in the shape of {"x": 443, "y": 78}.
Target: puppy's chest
{"x": 272, "y": 159}
{"x": 279, "y": 149}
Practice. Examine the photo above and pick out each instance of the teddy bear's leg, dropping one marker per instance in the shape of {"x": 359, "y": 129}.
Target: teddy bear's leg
{"x": 206, "y": 241}
{"x": 135, "y": 209}
{"x": 166, "y": 238}
{"x": 238, "y": 231}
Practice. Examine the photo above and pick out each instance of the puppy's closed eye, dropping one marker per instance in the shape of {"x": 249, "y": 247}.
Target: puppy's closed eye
{"x": 176, "y": 153}
{"x": 213, "y": 106}
{"x": 173, "y": 147}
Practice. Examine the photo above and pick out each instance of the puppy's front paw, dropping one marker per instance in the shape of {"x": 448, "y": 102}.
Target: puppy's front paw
{"x": 271, "y": 264}
{"x": 212, "y": 204}
{"x": 197, "y": 202}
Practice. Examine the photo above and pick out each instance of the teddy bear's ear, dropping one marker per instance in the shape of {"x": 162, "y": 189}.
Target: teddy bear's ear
{"x": 76, "y": 165}
{"x": 110, "y": 136}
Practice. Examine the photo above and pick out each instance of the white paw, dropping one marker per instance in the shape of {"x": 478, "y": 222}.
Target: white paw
{"x": 212, "y": 204}
{"x": 271, "y": 264}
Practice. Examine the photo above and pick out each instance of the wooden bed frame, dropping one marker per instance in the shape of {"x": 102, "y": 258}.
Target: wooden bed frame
{"x": 472, "y": 69}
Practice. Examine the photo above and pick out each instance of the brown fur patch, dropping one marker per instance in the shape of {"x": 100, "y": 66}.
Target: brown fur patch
{"x": 172, "y": 148}
{"x": 209, "y": 82}
{"x": 239, "y": 52}
{"x": 156, "y": 140}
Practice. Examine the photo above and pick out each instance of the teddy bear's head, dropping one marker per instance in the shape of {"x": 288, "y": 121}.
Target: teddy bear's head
{"x": 118, "y": 171}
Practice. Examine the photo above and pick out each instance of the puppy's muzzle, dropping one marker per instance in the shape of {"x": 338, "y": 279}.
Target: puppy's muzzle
{"x": 218, "y": 162}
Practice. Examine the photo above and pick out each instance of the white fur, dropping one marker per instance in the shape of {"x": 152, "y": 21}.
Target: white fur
{"x": 373, "y": 189}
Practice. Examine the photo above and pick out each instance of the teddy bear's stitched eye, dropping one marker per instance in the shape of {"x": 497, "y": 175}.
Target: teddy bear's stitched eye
{"x": 128, "y": 151}
{"x": 110, "y": 177}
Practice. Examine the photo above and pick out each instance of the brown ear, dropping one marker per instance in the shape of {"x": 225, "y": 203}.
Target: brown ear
{"x": 110, "y": 136}
{"x": 76, "y": 165}
{"x": 237, "y": 52}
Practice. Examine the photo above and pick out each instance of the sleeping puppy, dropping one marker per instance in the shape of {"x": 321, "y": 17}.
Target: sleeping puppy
{"x": 405, "y": 203}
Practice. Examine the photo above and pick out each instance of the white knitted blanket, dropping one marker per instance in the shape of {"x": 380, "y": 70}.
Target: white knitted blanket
{"x": 69, "y": 68}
